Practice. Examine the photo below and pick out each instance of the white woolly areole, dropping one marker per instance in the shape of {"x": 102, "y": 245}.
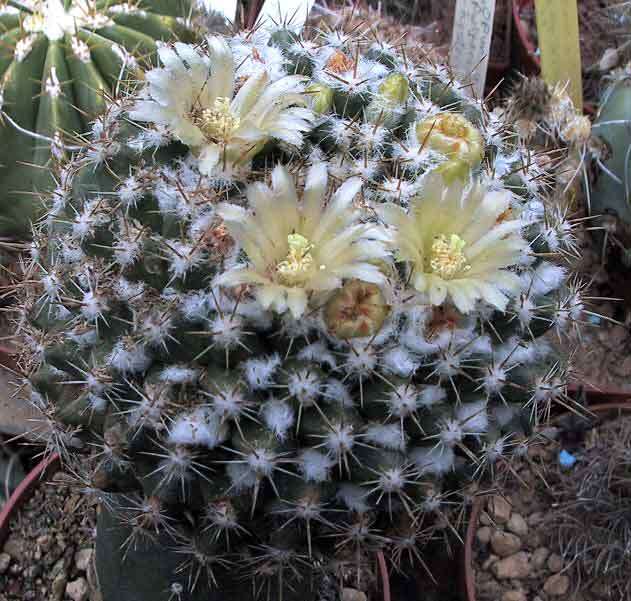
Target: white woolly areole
{"x": 335, "y": 391}
{"x": 259, "y": 373}
{"x": 129, "y": 359}
{"x": 304, "y": 385}
{"x": 388, "y": 436}
{"x": 179, "y": 374}
{"x": 437, "y": 460}
{"x": 278, "y": 417}
{"x": 473, "y": 417}
{"x": 318, "y": 353}
{"x": 400, "y": 362}
{"x": 200, "y": 428}
{"x": 353, "y": 496}
{"x": 432, "y": 395}
{"x": 315, "y": 466}
{"x": 403, "y": 400}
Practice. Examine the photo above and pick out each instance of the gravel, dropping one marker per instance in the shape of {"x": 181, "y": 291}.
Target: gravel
{"x": 48, "y": 553}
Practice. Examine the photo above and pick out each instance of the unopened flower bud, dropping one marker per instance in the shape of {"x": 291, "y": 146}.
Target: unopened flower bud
{"x": 321, "y": 98}
{"x": 457, "y": 138}
{"x": 358, "y": 309}
{"x": 395, "y": 88}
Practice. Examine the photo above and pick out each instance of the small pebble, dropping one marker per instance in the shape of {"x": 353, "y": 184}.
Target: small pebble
{"x": 515, "y": 566}
{"x": 557, "y": 585}
{"x": 505, "y": 543}
{"x": 514, "y": 596}
{"x": 484, "y": 534}
{"x": 555, "y": 563}
{"x": 82, "y": 559}
{"x": 5, "y": 560}
{"x": 517, "y": 525}
{"x": 499, "y": 509}
{"x": 539, "y": 557}
{"x": 351, "y": 594}
{"x": 78, "y": 590}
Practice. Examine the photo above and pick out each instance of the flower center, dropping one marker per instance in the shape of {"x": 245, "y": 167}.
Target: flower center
{"x": 339, "y": 62}
{"x": 447, "y": 258}
{"x": 452, "y": 126}
{"x": 298, "y": 263}
{"x": 217, "y": 122}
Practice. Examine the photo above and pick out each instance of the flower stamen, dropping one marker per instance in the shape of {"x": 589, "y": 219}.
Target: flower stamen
{"x": 298, "y": 263}
{"x": 217, "y": 122}
{"x": 447, "y": 257}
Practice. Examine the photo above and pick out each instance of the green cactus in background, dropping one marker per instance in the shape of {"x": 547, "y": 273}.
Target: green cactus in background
{"x": 274, "y": 316}
{"x": 59, "y": 61}
{"x": 611, "y": 192}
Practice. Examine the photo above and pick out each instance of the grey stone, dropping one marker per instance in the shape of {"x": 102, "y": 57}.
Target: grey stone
{"x": 505, "y": 543}
{"x": 557, "y": 585}
{"x": 82, "y": 559}
{"x": 517, "y": 524}
{"x": 77, "y": 590}
{"x": 515, "y": 566}
{"x": 514, "y": 596}
{"x": 58, "y": 587}
{"x": 555, "y": 563}
{"x": 499, "y": 509}
{"x": 5, "y": 560}
{"x": 484, "y": 534}
{"x": 14, "y": 547}
{"x": 539, "y": 557}
{"x": 351, "y": 594}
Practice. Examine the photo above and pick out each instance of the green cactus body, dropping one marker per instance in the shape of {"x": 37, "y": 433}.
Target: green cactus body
{"x": 612, "y": 189}
{"x": 59, "y": 63}
{"x": 287, "y": 333}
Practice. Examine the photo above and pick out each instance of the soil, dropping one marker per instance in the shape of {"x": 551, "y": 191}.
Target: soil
{"x": 520, "y": 552}
{"x": 48, "y": 553}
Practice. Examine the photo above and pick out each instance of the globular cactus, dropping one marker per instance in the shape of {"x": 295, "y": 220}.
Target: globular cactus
{"x": 290, "y": 290}
{"x": 611, "y": 191}
{"x": 59, "y": 62}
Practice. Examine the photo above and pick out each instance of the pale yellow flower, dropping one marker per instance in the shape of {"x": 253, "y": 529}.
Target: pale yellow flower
{"x": 297, "y": 247}
{"x": 457, "y": 244}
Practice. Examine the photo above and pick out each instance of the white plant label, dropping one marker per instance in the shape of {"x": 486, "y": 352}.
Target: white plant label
{"x": 471, "y": 43}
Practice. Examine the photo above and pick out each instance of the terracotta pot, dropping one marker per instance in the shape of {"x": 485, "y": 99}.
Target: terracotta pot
{"x": 23, "y": 492}
{"x": 467, "y": 572}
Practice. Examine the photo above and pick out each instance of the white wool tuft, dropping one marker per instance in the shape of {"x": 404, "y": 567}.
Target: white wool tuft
{"x": 431, "y": 395}
{"x": 353, "y": 496}
{"x": 278, "y": 417}
{"x": 335, "y": 391}
{"x": 388, "y": 436}
{"x": 259, "y": 373}
{"x": 399, "y": 362}
{"x": 437, "y": 460}
{"x": 473, "y": 417}
{"x": 545, "y": 278}
{"x": 242, "y": 477}
{"x": 179, "y": 374}
{"x": 318, "y": 353}
{"x": 131, "y": 359}
{"x": 315, "y": 466}
{"x": 202, "y": 427}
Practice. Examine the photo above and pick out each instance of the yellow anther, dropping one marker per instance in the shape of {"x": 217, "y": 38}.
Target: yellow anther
{"x": 447, "y": 258}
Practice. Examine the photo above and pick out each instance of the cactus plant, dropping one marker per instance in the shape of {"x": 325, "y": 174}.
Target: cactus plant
{"x": 286, "y": 294}
{"x": 611, "y": 192}
{"x": 59, "y": 62}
